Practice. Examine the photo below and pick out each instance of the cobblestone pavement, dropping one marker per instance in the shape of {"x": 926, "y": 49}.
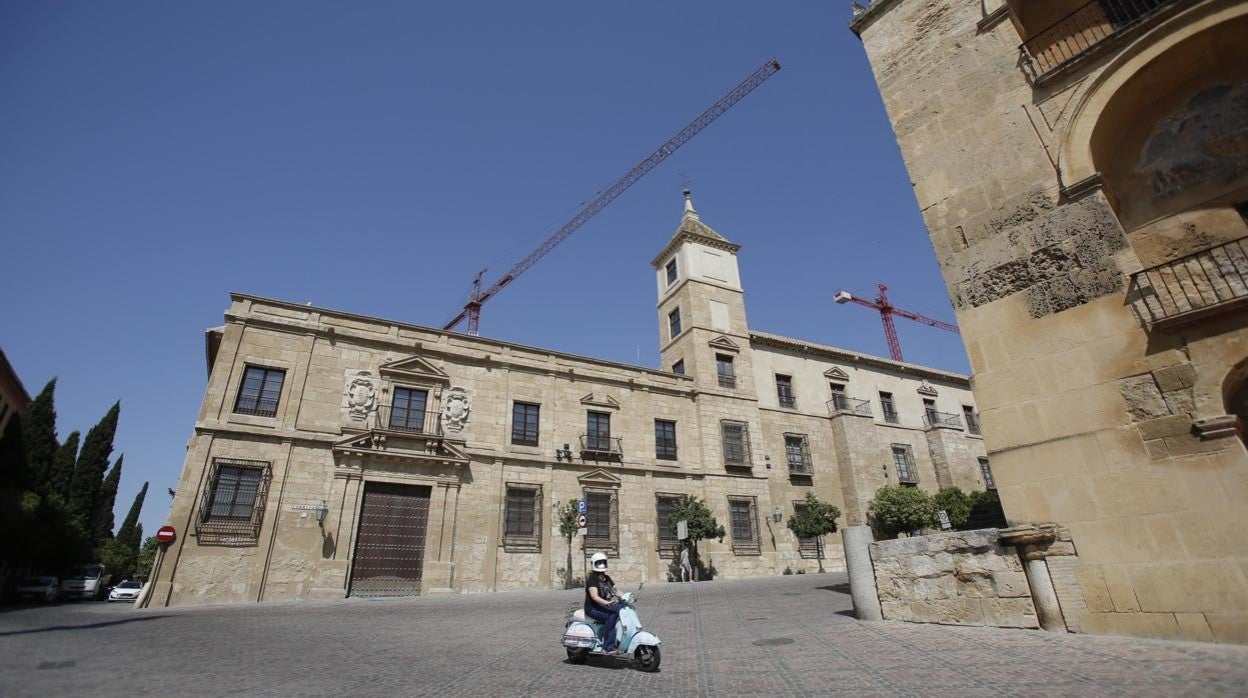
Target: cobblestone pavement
{"x": 774, "y": 636}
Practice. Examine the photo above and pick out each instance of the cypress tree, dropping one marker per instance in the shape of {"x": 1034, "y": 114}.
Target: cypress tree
{"x": 106, "y": 501}
{"x": 62, "y": 476}
{"x": 14, "y": 471}
{"x": 39, "y": 433}
{"x": 89, "y": 471}
{"x": 131, "y": 532}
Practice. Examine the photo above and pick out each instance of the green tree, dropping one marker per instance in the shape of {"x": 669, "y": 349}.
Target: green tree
{"x": 131, "y": 531}
{"x": 105, "y": 502}
{"x": 817, "y": 518}
{"x": 92, "y": 462}
{"x": 956, "y": 503}
{"x": 119, "y": 560}
{"x": 147, "y": 558}
{"x": 39, "y": 434}
{"x": 700, "y": 521}
{"x": 898, "y": 509}
{"x": 14, "y": 469}
{"x": 62, "y": 475}
{"x": 568, "y": 529}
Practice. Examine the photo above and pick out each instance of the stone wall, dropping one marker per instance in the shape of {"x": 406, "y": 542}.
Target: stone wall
{"x": 960, "y": 578}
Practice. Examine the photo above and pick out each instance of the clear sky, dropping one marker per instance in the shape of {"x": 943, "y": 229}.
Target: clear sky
{"x": 372, "y": 156}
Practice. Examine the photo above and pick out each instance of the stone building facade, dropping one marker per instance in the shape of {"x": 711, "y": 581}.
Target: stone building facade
{"x": 13, "y": 395}
{"x": 1082, "y": 168}
{"x": 339, "y": 454}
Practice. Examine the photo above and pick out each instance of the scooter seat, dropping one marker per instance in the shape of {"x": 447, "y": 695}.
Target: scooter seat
{"x": 579, "y": 614}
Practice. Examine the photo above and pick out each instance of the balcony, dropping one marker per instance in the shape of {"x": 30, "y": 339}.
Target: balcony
{"x": 602, "y": 447}
{"x": 932, "y": 418}
{"x": 1086, "y": 31}
{"x": 907, "y": 476}
{"x": 787, "y": 401}
{"x": 1193, "y": 286}
{"x": 727, "y": 381}
{"x": 841, "y": 404}
{"x": 408, "y": 421}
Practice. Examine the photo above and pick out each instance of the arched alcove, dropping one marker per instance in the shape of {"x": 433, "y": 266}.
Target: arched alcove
{"x": 1235, "y": 394}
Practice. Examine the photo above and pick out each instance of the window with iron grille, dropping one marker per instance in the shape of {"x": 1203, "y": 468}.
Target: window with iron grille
{"x": 522, "y": 529}
{"x": 808, "y": 548}
{"x": 929, "y": 409}
{"x": 671, "y": 271}
{"x": 665, "y": 439}
{"x": 797, "y": 452}
{"x": 673, "y": 323}
{"x": 524, "y": 420}
{"x": 972, "y": 420}
{"x": 723, "y": 369}
{"x": 407, "y": 412}
{"x": 601, "y": 521}
{"x": 743, "y": 516}
{"x": 784, "y": 391}
{"x": 232, "y": 508}
{"x": 598, "y": 431}
{"x": 888, "y": 408}
{"x": 736, "y": 439}
{"x": 679, "y": 367}
{"x": 664, "y": 506}
{"x": 903, "y": 463}
{"x": 986, "y": 471}
{"x": 260, "y": 391}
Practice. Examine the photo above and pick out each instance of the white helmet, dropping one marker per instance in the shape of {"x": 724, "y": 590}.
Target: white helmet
{"x": 598, "y": 562}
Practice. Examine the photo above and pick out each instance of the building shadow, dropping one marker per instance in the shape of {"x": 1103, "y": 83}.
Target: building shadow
{"x": 842, "y": 588}
{"x": 85, "y": 626}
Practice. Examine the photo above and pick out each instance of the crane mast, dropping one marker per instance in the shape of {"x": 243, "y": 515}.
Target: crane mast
{"x": 887, "y": 310}
{"x": 478, "y": 297}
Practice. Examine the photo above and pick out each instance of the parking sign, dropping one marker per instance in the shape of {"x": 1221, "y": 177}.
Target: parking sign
{"x": 580, "y": 507}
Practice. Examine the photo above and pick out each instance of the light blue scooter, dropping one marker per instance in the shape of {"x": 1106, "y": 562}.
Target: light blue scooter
{"x": 582, "y": 636}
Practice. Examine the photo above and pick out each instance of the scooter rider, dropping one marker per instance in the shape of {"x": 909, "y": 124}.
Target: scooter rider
{"x": 600, "y": 600}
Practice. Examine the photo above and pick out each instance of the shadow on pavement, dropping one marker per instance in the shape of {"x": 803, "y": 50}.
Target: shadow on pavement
{"x": 85, "y": 626}
{"x": 842, "y": 588}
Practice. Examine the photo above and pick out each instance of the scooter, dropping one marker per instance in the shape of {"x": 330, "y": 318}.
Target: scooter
{"x": 582, "y": 636}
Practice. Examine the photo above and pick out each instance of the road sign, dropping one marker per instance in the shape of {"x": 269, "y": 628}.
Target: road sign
{"x": 582, "y": 531}
{"x": 166, "y": 534}
{"x": 581, "y": 521}
{"x": 944, "y": 519}
{"x": 682, "y": 530}
{"x": 580, "y": 507}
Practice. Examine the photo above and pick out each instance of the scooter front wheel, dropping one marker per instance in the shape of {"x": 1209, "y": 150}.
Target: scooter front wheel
{"x": 647, "y": 657}
{"x": 577, "y": 656}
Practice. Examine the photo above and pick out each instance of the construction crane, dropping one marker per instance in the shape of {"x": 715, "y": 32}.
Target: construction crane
{"x": 887, "y": 311}
{"x": 478, "y": 296}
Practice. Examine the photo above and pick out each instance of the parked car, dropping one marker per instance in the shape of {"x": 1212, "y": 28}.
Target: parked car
{"x": 87, "y": 581}
{"x": 126, "y": 591}
{"x": 42, "y": 589}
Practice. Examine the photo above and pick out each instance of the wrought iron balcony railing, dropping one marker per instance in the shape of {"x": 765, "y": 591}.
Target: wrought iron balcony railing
{"x": 726, "y": 381}
{"x": 256, "y": 407}
{"x": 907, "y": 475}
{"x": 800, "y": 463}
{"x": 1191, "y": 286}
{"x": 932, "y": 418}
{"x": 601, "y": 446}
{"x": 1089, "y": 28}
{"x": 844, "y": 403}
{"x": 787, "y": 401}
{"x": 391, "y": 418}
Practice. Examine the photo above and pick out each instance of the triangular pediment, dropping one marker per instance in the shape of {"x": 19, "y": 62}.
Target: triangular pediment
{"x": 599, "y": 478}
{"x": 381, "y": 445}
{"x": 601, "y": 401}
{"x": 722, "y": 342}
{"x": 926, "y": 388}
{"x": 415, "y": 367}
{"x": 836, "y": 373}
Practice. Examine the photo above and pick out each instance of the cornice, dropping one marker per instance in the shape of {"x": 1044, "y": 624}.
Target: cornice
{"x": 700, "y": 239}
{"x": 864, "y": 17}
{"x": 853, "y": 357}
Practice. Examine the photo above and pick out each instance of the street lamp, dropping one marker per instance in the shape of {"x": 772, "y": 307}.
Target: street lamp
{"x": 776, "y": 514}
{"x": 321, "y": 510}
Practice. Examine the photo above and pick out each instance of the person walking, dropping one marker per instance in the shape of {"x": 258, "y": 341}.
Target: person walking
{"x": 686, "y": 569}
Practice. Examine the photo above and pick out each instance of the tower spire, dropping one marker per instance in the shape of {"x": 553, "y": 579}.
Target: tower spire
{"x": 689, "y": 211}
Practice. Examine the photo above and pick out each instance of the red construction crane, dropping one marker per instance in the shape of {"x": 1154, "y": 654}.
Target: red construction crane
{"x": 478, "y": 297}
{"x": 887, "y": 311}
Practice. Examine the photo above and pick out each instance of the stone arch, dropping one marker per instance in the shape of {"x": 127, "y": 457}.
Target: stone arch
{"x": 1235, "y": 396}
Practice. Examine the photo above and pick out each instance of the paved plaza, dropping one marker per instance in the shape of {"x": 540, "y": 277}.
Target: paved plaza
{"x": 773, "y": 636}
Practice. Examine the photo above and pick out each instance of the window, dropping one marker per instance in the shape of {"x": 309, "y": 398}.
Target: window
{"x": 673, "y": 323}
{"x": 664, "y": 439}
{"x": 808, "y": 548}
{"x": 679, "y": 367}
{"x": 886, "y": 405}
{"x": 598, "y": 431}
{"x": 797, "y": 452}
{"x": 233, "y": 505}
{"x": 723, "y": 369}
{"x": 736, "y": 438}
{"x": 986, "y": 471}
{"x": 671, "y": 271}
{"x": 929, "y": 409}
{"x": 784, "y": 391}
{"x": 522, "y": 528}
{"x": 524, "y": 419}
{"x": 743, "y": 516}
{"x": 972, "y": 421}
{"x": 260, "y": 391}
{"x": 664, "y": 505}
{"x": 408, "y": 411}
{"x": 840, "y": 401}
{"x": 903, "y": 463}
{"x": 600, "y": 520}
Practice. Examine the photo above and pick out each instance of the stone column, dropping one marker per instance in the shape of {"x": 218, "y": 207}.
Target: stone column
{"x": 857, "y": 540}
{"x": 1042, "y": 594}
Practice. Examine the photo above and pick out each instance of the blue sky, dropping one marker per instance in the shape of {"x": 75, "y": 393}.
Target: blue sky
{"x": 371, "y": 157}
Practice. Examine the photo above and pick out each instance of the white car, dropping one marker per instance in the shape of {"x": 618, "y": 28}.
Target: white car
{"x": 43, "y": 589}
{"x": 126, "y": 591}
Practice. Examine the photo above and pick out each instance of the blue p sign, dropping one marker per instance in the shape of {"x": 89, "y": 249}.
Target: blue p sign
{"x": 580, "y": 507}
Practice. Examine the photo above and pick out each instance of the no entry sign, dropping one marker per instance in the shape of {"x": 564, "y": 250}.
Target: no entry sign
{"x": 166, "y": 534}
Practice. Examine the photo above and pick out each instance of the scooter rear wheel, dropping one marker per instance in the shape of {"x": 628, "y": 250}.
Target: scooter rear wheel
{"x": 647, "y": 657}
{"x": 577, "y": 656}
